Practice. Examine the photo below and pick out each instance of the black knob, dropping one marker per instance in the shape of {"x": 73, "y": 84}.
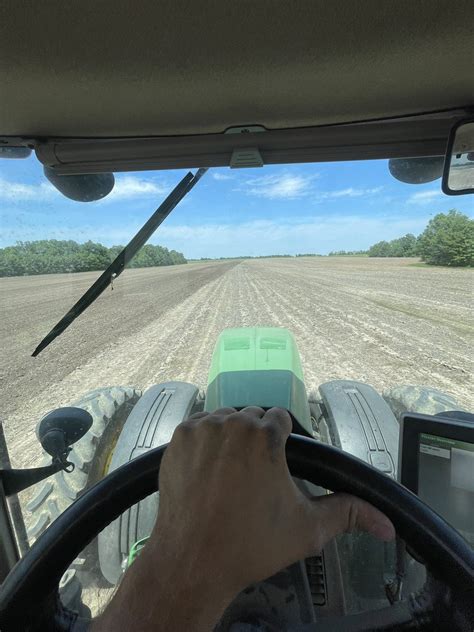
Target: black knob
{"x": 62, "y": 427}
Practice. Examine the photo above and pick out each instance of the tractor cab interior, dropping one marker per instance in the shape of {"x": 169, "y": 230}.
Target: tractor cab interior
{"x": 94, "y": 92}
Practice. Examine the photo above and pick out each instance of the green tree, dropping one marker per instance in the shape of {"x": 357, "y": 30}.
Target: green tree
{"x": 448, "y": 240}
{"x": 114, "y": 251}
{"x": 405, "y": 246}
{"x": 177, "y": 257}
{"x": 51, "y": 255}
{"x": 94, "y": 256}
{"x": 380, "y": 249}
{"x": 344, "y": 253}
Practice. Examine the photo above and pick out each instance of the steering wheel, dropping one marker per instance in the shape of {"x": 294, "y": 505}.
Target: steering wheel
{"x": 29, "y": 597}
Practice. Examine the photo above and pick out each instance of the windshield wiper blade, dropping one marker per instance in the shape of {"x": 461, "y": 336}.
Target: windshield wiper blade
{"x": 119, "y": 263}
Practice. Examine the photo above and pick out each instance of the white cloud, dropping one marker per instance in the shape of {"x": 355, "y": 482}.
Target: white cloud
{"x": 125, "y": 187}
{"x": 291, "y": 186}
{"x": 279, "y": 186}
{"x": 19, "y": 192}
{"x": 132, "y": 187}
{"x": 221, "y": 176}
{"x": 425, "y": 197}
{"x": 349, "y": 192}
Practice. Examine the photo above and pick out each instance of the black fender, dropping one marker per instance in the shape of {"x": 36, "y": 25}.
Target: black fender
{"x": 150, "y": 424}
{"x": 361, "y": 423}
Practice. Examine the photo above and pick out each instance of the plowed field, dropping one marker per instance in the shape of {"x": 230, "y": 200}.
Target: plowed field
{"x": 382, "y": 321}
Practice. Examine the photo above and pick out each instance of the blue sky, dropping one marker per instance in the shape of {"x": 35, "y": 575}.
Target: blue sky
{"x": 273, "y": 210}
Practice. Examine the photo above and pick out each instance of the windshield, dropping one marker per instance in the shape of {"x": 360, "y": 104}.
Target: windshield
{"x": 373, "y": 277}
{"x": 285, "y": 246}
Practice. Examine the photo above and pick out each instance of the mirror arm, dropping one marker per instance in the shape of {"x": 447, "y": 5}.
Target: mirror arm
{"x": 15, "y": 481}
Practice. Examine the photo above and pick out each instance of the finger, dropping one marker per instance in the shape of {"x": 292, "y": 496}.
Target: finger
{"x": 194, "y": 421}
{"x": 199, "y": 415}
{"x": 223, "y": 412}
{"x": 280, "y": 418}
{"x": 253, "y": 411}
{"x": 276, "y": 426}
{"x": 341, "y": 513}
{"x": 220, "y": 412}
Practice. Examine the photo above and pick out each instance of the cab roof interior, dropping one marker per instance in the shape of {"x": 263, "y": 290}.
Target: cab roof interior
{"x": 177, "y": 68}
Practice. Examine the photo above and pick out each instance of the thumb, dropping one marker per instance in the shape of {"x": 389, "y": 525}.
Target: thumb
{"x": 341, "y": 513}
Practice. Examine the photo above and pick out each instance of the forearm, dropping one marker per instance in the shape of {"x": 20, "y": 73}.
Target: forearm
{"x": 161, "y": 592}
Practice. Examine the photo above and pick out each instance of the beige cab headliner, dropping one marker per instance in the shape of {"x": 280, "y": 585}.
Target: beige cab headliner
{"x": 121, "y": 68}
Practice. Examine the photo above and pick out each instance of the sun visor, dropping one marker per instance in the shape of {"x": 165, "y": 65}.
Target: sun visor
{"x": 424, "y": 135}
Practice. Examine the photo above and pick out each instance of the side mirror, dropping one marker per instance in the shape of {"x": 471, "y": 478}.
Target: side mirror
{"x": 416, "y": 170}
{"x": 15, "y": 152}
{"x": 82, "y": 188}
{"x": 57, "y": 431}
{"x": 458, "y": 173}
{"x": 62, "y": 427}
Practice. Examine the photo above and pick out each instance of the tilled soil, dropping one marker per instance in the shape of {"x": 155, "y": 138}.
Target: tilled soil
{"x": 381, "y": 321}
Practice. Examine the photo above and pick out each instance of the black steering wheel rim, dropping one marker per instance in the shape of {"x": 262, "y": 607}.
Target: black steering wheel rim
{"x": 34, "y": 580}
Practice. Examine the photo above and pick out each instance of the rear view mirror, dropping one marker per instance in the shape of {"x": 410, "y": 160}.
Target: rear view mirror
{"x": 458, "y": 174}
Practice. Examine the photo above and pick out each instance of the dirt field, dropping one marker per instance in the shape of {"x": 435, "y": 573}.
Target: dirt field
{"x": 381, "y": 321}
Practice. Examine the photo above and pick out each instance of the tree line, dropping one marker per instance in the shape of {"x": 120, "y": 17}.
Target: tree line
{"x": 252, "y": 257}
{"x": 50, "y": 256}
{"x": 348, "y": 253}
{"x": 448, "y": 240}
{"x": 406, "y": 246}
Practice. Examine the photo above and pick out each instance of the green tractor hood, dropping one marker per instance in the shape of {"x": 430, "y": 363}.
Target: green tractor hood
{"x": 258, "y": 366}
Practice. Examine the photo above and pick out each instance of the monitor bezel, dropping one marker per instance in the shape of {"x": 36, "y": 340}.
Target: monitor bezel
{"x": 412, "y": 425}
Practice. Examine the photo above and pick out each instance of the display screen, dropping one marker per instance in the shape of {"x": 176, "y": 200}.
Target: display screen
{"x": 446, "y": 480}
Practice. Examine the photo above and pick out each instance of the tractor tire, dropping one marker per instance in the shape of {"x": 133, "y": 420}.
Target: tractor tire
{"x": 418, "y": 399}
{"x": 91, "y": 456}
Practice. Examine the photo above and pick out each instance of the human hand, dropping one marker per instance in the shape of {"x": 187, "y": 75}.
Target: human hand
{"x": 227, "y": 499}
{"x": 229, "y": 515}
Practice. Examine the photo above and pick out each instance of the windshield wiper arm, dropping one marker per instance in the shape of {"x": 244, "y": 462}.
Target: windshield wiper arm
{"x": 119, "y": 263}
